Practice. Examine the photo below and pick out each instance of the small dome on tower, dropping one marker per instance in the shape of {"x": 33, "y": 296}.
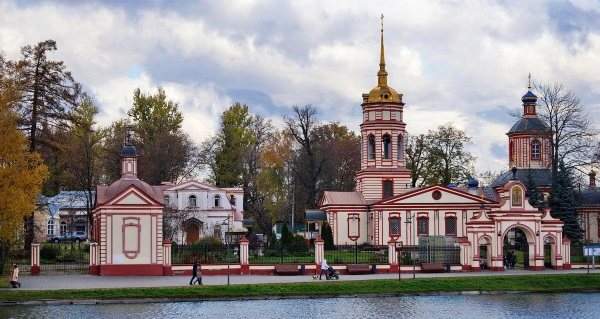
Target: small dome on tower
{"x": 128, "y": 151}
{"x": 529, "y": 98}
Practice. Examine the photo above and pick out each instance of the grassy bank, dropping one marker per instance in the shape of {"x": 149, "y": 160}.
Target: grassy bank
{"x": 531, "y": 283}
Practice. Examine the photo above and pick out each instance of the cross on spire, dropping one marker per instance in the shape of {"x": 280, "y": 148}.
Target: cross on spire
{"x": 382, "y": 22}
{"x": 529, "y": 85}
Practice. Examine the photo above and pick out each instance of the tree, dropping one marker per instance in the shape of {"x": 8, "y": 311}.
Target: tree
{"x": 563, "y": 204}
{"x": 533, "y": 192}
{"x": 341, "y": 149}
{"x": 448, "y": 161}
{"x": 167, "y": 153}
{"x": 111, "y": 146}
{"x": 48, "y": 92}
{"x": 573, "y": 140}
{"x": 417, "y": 159}
{"x": 22, "y": 173}
{"x": 286, "y": 236}
{"x": 309, "y": 163}
{"x": 232, "y": 144}
{"x": 85, "y": 153}
{"x": 327, "y": 236}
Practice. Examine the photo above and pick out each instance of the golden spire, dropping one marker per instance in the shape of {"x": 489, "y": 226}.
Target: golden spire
{"x": 382, "y": 74}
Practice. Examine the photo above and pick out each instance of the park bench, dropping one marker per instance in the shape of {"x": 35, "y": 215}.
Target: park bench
{"x": 287, "y": 269}
{"x": 432, "y": 267}
{"x": 356, "y": 269}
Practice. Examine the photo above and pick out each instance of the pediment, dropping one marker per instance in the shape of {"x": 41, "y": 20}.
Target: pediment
{"x": 436, "y": 194}
{"x": 192, "y": 185}
{"x": 132, "y": 196}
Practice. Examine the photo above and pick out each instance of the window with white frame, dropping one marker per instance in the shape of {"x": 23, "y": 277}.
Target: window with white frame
{"x": 51, "y": 227}
{"x": 535, "y": 150}
{"x": 217, "y": 231}
{"x": 217, "y": 200}
{"x": 63, "y": 227}
{"x": 192, "y": 201}
{"x": 167, "y": 200}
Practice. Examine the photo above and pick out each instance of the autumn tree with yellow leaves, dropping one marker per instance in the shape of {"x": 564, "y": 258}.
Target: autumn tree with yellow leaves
{"x": 22, "y": 173}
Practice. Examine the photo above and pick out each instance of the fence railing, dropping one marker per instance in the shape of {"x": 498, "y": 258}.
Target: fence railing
{"x": 205, "y": 253}
{"x": 429, "y": 254}
{"x": 577, "y": 256}
{"x": 64, "y": 257}
{"x": 280, "y": 254}
{"x": 357, "y": 254}
{"x": 19, "y": 256}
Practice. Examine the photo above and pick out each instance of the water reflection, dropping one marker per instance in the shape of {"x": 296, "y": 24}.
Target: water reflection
{"x": 571, "y": 305}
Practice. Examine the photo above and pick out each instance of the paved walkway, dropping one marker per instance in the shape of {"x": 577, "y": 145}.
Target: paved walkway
{"x": 52, "y": 282}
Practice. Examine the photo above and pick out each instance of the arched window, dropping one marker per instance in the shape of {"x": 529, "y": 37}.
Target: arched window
{"x": 400, "y": 155}
{"x": 232, "y": 201}
{"x": 51, "y": 227}
{"x": 388, "y": 188}
{"x": 422, "y": 226}
{"x": 394, "y": 226}
{"x": 63, "y": 227}
{"x": 192, "y": 201}
{"x": 386, "y": 144}
{"x": 517, "y": 196}
{"x": 371, "y": 146}
{"x": 217, "y": 231}
{"x": 217, "y": 200}
{"x": 536, "y": 150}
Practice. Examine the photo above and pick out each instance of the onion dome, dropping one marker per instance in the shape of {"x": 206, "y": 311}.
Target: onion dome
{"x": 128, "y": 150}
{"x": 472, "y": 182}
{"x": 529, "y": 98}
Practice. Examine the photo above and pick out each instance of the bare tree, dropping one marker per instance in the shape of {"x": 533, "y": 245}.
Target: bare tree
{"x": 302, "y": 127}
{"x": 573, "y": 140}
{"x": 174, "y": 221}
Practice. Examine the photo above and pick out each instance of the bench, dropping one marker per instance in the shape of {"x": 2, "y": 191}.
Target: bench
{"x": 287, "y": 269}
{"x": 432, "y": 267}
{"x": 356, "y": 269}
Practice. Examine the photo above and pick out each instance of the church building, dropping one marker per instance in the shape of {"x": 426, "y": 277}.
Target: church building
{"x": 385, "y": 209}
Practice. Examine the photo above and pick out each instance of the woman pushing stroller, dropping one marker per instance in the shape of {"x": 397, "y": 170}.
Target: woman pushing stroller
{"x": 332, "y": 272}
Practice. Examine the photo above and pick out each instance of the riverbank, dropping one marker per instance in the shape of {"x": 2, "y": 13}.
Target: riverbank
{"x": 481, "y": 284}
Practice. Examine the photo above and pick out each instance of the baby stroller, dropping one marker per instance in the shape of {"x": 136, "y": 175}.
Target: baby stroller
{"x": 332, "y": 274}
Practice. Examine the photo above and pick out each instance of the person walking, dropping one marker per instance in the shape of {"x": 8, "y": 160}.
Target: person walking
{"x": 324, "y": 267}
{"x": 14, "y": 277}
{"x": 196, "y": 273}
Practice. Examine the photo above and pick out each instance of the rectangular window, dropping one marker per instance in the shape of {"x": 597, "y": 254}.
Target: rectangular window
{"x": 422, "y": 226}
{"x": 394, "y": 226}
{"x": 451, "y": 226}
{"x": 535, "y": 150}
{"x": 388, "y": 189}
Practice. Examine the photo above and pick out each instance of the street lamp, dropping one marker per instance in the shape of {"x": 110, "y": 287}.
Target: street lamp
{"x": 227, "y": 242}
{"x": 408, "y": 222}
{"x": 399, "y": 253}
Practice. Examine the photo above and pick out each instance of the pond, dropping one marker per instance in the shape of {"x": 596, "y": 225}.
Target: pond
{"x": 564, "y": 305}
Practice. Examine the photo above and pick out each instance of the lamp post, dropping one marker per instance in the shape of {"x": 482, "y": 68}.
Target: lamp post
{"x": 227, "y": 242}
{"x": 399, "y": 253}
{"x": 408, "y": 222}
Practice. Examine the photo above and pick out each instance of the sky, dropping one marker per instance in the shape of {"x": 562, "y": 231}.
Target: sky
{"x": 465, "y": 62}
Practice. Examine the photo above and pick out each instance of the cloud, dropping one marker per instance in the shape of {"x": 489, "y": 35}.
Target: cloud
{"x": 465, "y": 62}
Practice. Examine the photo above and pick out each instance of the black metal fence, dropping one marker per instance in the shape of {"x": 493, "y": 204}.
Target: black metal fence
{"x": 69, "y": 257}
{"x": 357, "y": 254}
{"x": 577, "y": 256}
{"x": 260, "y": 253}
{"x": 205, "y": 253}
{"x": 429, "y": 254}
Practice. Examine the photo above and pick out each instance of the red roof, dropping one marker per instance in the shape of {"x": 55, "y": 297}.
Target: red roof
{"x": 106, "y": 193}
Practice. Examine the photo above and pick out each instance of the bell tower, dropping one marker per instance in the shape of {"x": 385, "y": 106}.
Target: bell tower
{"x": 383, "y": 173}
{"x": 528, "y": 143}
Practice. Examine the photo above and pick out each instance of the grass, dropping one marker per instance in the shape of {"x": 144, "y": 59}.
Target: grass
{"x": 527, "y": 283}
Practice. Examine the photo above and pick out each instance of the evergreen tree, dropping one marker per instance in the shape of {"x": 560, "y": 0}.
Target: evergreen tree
{"x": 532, "y": 192}
{"x": 563, "y": 204}
{"x": 327, "y": 236}
{"x": 286, "y": 236}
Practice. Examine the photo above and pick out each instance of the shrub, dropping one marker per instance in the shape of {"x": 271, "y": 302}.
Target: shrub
{"x": 49, "y": 252}
{"x": 298, "y": 244}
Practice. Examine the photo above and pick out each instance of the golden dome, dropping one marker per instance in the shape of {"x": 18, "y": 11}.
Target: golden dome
{"x": 382, "y": 92}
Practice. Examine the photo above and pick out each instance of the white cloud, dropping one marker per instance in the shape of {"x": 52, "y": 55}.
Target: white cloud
{"x": 453, "y": 61}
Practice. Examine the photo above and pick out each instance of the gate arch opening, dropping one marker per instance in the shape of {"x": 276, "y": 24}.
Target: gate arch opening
{"x": 518, "y": 247}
